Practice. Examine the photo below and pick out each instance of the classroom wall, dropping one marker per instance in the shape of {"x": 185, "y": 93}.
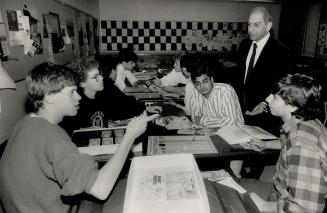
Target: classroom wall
{"x": 200, "y": 11}
{"x": 13, "y": 101}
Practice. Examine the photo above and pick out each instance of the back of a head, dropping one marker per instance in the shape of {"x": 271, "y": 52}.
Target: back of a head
{"x": 126, "y": 55}
{"x": 48, "y": 78}
{"x": 303, "y": 92}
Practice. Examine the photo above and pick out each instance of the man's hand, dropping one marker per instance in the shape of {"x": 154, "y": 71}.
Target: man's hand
{"x": 154, "y": 109}
{"x": 137, "y": 125}
{"x": 157, "y": 82}
{"x": 260, "y": 108}
{"x": 197, "y": 120}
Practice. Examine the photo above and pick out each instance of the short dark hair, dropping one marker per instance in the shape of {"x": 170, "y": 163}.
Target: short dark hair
{"x": 48, "y": 78}
{"x": 202, "y": 68}
{"x": 83, "y": 66}
{"x": 126, "y": 55}
{"x": 191, "y": 62}
{"x": 303, "y": 92}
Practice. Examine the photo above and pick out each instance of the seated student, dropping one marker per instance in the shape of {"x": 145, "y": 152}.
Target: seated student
{"x": 98, "y": 105}
{"x": 213, "y": 105}
{"x": 300, "y": 173}
{"x": 173, "y": 79}
{"x": 41, "y": 170}
{"x": 126, "y": 63}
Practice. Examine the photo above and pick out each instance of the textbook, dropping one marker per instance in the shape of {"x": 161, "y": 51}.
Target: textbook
{"x": 165, "y": 183}
{"x": 242, "y": 134}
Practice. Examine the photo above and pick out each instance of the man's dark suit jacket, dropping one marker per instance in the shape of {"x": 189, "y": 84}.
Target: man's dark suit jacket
{"x": 273, "y": 63}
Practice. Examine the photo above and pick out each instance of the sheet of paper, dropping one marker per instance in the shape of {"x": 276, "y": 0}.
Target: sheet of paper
{"x": 230, "y": 182}
{"x": 234, "y": 135}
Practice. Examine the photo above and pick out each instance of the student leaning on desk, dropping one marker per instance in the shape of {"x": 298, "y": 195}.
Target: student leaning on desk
{"x": 300, "y": 174}
{"x": 40, "y": 166}
{"x": 170, "y": 81}
{"x": 100, "y": 101}
{"x": 126, "y": 62}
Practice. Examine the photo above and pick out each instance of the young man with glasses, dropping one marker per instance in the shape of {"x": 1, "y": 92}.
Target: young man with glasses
{"x": 96, "y": 108}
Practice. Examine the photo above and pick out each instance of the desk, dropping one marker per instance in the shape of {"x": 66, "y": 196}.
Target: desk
{"x": 226, "y": 153}
{"x": 115, "y": 201}
{"x": 156, "y": 96}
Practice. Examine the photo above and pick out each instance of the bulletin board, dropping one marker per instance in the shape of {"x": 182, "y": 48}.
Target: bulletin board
{"x": 321, "y": 47}
{"x": 56, "y": 28}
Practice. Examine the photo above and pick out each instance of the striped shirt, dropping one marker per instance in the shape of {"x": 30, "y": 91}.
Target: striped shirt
{"x": 221, "y": 108}
{"x": 300, "y": 175}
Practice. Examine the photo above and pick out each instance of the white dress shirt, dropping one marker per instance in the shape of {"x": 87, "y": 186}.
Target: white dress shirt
{"x": 260, "y": 45}
{"x": 122, "y": 74}
{"x": 173, "y": 79}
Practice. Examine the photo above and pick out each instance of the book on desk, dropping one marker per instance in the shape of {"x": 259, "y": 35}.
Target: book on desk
{"x": 241, "y": 134}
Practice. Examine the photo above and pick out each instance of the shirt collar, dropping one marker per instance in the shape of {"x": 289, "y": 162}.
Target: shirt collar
{"x": 262, "y": 42}
{"x": 290, "y": 124}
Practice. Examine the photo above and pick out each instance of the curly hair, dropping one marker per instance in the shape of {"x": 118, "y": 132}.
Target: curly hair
{"x": 82, "y": 67}
{"x": 303, "y": 92}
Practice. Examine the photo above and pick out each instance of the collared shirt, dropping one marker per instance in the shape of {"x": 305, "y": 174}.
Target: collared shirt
{"x": 260, "y": 46}
{"x": 300, "y": 175}
{"x": 173, "y": 79}
{"x": 189, "y": 89}
{"x": 221, "y": 108}
{"x": 122, "y": 74}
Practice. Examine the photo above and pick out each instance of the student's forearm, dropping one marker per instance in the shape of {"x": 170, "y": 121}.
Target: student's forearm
{"x": 109, "y": 173}
{"x": 132, "y": 89}
{"x": 270, "y": 207}
{"x": 179, "y": 90}
{"x": 217, "y": 122}
{"x": 275, "y": 144}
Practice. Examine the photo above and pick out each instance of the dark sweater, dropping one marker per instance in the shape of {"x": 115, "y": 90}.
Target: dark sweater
{"x": 109, "y": 104}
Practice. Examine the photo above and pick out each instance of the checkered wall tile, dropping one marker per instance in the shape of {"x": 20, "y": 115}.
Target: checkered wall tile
{"x": 171, "y": 35}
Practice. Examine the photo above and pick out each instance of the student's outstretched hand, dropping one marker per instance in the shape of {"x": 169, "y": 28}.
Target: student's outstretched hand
{"x": 154, "y": 109}
{"x": 260, "y": 108}
{"x": 137, "y": 125}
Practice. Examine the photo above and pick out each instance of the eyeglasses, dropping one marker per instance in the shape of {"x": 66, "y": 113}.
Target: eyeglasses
{"x": 97, "y": 76}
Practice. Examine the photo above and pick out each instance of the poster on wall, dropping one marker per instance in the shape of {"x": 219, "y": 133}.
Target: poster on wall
{"x": 15, "y": 26}
{"x": 36, "y": 46}
{"x": 52, "y": 31}
{"x": 70, "y": 28}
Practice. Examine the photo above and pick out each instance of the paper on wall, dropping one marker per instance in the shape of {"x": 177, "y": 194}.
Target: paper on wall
{"x": 15, "y": 25}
